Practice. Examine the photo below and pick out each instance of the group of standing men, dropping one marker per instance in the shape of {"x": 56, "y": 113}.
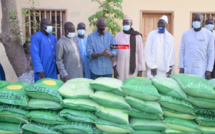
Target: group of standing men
{"x": 92, "y": 57}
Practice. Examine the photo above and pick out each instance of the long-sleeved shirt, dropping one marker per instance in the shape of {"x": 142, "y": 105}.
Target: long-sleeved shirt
{"x": 43, "y": 55}
{"x": 96, "y": 43}
{"x": 68, "y": 58}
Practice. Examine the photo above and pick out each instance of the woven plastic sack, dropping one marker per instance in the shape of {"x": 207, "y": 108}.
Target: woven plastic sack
{"x": 77, "y": 88}
{"x": 45, "y": 89}
{"x": 14, "y": 94}
{"x": 207, "y": 130}
{"x": 141, "y": 88}
{"x": 40, "y": 128}
{"x": 144, "y": 106}
{"x": 111, "y": 100}
{"x": 145, "y": 132}
{"x": 206, "y": 120}
{"x": 144, "y": 124}
{"x": 97, "y": 131}
{"x": 173, "y": 113}
{"x": 43, "y": 104}
{"x": 201, "y": 102}
{"x": 111, "y": 127}
{"x": 142, "y": 115}
{"x": 195, "y": 86}
{"x": 212, "y": 82}
{"x": 79, "y": 116}
{"x": 75, "y": 127}
{"x": 106, "y": 84}
{"x": 119, "y": 92}
{"x": 169, "y": 87}
{"x": 172, "y": 131}
{"x": 6, "y": 128}
{"x": 12, "y": 114}
{"x": 80, "y": 104}
{"x": 181, "y": 124}
{"x": 113, "y": 115}
{"x": 46, "y": 117}
{"x": 203, "y": 111}
{"x": 3, "y": 83}
{"x": 176, "y": 104}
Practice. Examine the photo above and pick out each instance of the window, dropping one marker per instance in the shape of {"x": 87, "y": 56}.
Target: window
{"x": 57, "y": 18}
{"x": 206, "y": 15}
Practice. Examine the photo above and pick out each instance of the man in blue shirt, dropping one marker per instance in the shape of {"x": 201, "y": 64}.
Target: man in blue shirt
{"x": 98, "y": 49}
{"x": 82, "y": 41}
{"x": 43, "y": 52}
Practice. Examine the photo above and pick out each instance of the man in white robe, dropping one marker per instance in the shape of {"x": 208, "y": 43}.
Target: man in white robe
{"x": 159, "y": 51}
{"x": 197, "y": 50}
{"x": 129, "y": 62}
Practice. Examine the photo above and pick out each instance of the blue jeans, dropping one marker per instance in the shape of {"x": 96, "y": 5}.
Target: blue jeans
{"x": 94, "y": 76}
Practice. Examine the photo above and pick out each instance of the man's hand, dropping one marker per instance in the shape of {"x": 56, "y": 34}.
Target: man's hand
{"x": 154, "y": 72}
{"x": 169, "y": 72}
{"x": 41, "y": 75}
{"x": 181, "y": 70}
{"x": 208, "y": 75}
{"x": 66, "y": 78}
{"x": 116, "y": 75}
{"x": 139, "y": 74}
{"x": 105, "y": 52}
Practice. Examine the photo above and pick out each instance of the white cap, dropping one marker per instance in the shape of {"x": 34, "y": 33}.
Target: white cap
{"x": 165, "y": 18}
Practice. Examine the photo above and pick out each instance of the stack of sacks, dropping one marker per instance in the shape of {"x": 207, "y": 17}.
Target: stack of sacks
{"x": 12, "y": 99}
{"x": 146, "y": 113}
{"x": 44, "y": 106}
{"x": 111, "y": 118}
{"x": 79, "y": 109}
{"x": 200, "y": 94}
{"x": 179, "y": 115}
{"x": 3, "y": 83}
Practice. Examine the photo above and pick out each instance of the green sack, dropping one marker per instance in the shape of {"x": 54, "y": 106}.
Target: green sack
{"x": 141, "y": 88}
{"x": 176, "y": 104}
{"x": 207, "y": 130}
{"x": 46, "y": 117}
{"x": 201, "y": 102}
{"x": 145, "y": 132}
{"x": 43, "y": 104}
{"x": 4, "y": 83}
{"x": 97, "y": 131}
{"x": 172, "y": 113}
{"x": 77, "y": 88}
{"x": 28, "y": 132}
{"x": 202, "y": 111}
{"x": 111, "y": 127}
{"x": 144, "y": 106}
{"x": 79, "y": 116}
{"x": 205, "y": 120}
{"x": 144, "y": 124}
{"x": 195, "y": 86}
{"x": 106, "y": 84}
{"x": 169, "y": 87}
{"x": 12, "y": 114}
{"x": 14, "y": 94}
{"x": 142, "y": 115}
{"x": 111, "y": 100}
{"x": 119, "y": 92}
{"x": 80, "y": 104}
{"x": 45, "y": 89}
{"x": 181, "y": 124}
{"x": 40, "y": 128}
{"x": 113, "y": 115}
{"x": 172, "y": 131}
{"x": 10, "y": 128}
{"x": 212, "y": 82}
{"x": 75, "y": 127}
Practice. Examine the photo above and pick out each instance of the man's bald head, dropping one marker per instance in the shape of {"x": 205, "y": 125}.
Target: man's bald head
{"x": 101, "y": 21}
{"x": 101, "y": 25}
{"x": 209, "y": 20}
{"x": 69, "y": 27}
{"x": 44, "y": 23}
{"x": 81, "y": 25}
{"x": 199, "y": 17}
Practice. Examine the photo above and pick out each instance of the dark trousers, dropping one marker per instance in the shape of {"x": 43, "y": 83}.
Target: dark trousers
{"x": 94, "y": 76}
{"x": 2, "y": 74}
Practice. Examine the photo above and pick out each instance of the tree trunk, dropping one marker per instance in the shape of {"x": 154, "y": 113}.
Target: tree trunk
{"x": 12, "y": 41}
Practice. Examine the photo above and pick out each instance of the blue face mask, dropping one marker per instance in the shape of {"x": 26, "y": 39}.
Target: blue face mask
{"x": 126, "y": 27}
{"x": 71, "y": 35}
{"x": 210, "y": 27}
{"x": 161, "y": 29}
{"x": 196, "y": 24}
{"x": 81, "y": 32}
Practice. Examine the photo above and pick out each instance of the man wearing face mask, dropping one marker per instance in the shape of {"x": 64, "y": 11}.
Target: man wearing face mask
{"x": 99, "y": 51}
{"x": 209, "y": 24}
{"x": 129, "y": 62}
{"x": 159, "y": 51}
{"x": 82, "y": 40}
{"x": 197, "y": 50}
{"x": 43, "y": 52}
{"x": 68, "y": 55}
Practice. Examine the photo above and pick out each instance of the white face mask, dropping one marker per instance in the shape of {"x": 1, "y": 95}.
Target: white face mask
{"x": 81, "y": 32}
{"x": 71, "y": 35}
{"x": 126, "y": 27}
{"x": 49, "y": 29}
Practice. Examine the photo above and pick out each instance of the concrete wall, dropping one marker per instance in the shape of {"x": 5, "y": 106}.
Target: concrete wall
{"x": 80, "y": 10}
